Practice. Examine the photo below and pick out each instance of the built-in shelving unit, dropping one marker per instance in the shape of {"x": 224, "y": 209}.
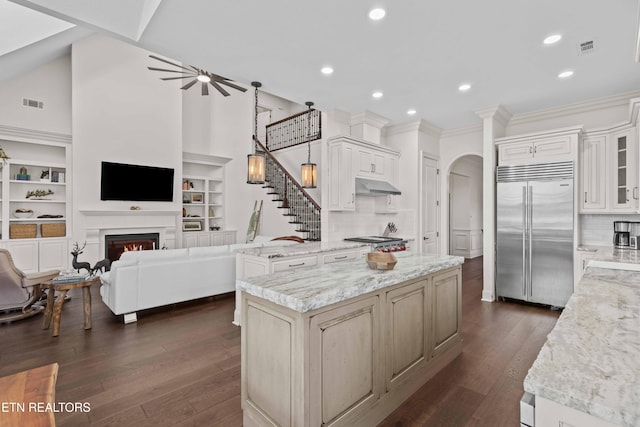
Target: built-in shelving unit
{"x": 35, "y": 197}
{"x": 203, "y": 201}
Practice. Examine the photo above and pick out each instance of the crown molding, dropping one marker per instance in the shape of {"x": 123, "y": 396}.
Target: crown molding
{"x": 421, "y": 125}
{"x": 577, "y": 108}
{"x": 369, "y": 118}
{"x": 465, "y": 130}
{"x": 32, "y": 135}
{"x": 498, "y": 113}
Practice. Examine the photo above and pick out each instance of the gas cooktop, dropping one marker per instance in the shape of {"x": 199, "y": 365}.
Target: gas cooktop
{"x": 374, "y": 239}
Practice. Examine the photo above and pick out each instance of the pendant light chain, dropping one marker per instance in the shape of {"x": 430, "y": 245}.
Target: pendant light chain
{"x": 255, "y": 114}
{"x": 309, "y": 133}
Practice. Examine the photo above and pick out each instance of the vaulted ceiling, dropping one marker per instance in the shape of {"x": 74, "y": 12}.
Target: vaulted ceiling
{"x": 417, "y": 55}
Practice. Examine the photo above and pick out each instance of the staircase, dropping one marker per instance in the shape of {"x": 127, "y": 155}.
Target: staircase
{"x": 295, "y": 202}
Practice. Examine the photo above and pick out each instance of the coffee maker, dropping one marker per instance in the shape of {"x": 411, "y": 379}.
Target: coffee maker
{"x": 621, "y": 234}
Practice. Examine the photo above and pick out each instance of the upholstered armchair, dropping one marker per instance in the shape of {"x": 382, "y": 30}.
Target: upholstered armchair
{"x": 19, "y": 291}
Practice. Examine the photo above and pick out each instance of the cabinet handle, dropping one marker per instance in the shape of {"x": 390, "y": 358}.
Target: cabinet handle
{"x": 353, "y": 197}
{"x": 340, "y": 257}
{"x": 530, "y": 150}
{"x": 585, "y": 197}
{"x": 635, "y": 193}
{"x": 627, "y": 194}
{"x": 296, "y": 265}
{"x": 425, "y": 238}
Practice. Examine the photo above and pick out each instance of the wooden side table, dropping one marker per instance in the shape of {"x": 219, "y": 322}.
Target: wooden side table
{"x": 22, "y": 391}
{"x": 56, "y": 311}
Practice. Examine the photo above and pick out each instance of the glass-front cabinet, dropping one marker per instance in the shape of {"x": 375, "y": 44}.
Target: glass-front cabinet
{"x": 624, "y": 181}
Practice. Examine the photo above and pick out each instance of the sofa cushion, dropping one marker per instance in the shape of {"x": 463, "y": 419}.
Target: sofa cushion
{"x": 153, "y": 255}
{"x": 208, "y": 250}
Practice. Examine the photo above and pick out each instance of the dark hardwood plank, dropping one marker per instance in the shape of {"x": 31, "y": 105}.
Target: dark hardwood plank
{"x": 180, "y": 365}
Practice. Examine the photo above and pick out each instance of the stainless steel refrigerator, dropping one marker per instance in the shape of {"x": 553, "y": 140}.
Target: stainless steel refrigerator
{"x": 534, "y": 226}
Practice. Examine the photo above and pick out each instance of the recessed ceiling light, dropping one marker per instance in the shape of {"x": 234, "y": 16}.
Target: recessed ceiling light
{"x": 377, "y": 14}
{"x": 565, "y": 74}
{"x": 553, "y": 38}
{"x": 326, "y": 70}
{"x": 464, "y": 87}
{"x": 377, "y": 94}
{"x": 411, "y": 112}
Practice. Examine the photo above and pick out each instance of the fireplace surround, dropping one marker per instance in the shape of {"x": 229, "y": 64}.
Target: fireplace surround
{"x": 116, "y": 244}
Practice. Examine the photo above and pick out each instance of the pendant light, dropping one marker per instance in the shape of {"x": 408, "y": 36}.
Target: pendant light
{"x": 256, "y": 161}
{"x": 309, "y": 171}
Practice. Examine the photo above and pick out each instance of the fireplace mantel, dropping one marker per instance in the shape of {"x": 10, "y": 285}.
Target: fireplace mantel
{"x": 132, "y": 212}
{"x": 98, "y": 223}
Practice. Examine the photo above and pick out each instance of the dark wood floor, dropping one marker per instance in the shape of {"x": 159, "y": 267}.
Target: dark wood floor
{"x": 180, "y": 365}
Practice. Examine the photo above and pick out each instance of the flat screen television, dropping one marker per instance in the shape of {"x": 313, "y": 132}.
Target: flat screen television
{"x": 139, "y": 183}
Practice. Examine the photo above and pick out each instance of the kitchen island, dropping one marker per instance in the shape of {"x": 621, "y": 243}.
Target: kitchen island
{"x": 588, "y": 371}
{"x": 343, "y": 345}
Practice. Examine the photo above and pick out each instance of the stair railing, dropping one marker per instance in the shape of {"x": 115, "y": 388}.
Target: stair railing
{"x": 294, "y": 130}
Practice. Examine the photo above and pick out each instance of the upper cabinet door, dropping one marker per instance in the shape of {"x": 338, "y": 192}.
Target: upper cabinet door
{"x": 623, "y": 185}
{"x": 593, "y": 174}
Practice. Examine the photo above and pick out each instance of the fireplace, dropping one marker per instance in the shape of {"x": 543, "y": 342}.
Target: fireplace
{"x": 116, "y": 244}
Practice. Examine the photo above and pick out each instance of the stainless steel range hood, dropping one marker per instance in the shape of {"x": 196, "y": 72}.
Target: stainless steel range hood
{"x": 372, "y": 187}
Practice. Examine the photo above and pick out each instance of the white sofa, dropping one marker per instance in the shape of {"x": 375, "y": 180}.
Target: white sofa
{"x": 147, "y": 279}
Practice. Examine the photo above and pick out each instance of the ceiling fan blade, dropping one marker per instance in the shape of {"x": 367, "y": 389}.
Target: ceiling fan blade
{"x": 188, "y": 85}
{"x": 228, "y": 83}
{"x": 220, "y": 89}
{"x": 169, "y": 62}
{"x": 177, "y": 78}
{"x": 205, "y": 89}
{"x": 164, "y": 69}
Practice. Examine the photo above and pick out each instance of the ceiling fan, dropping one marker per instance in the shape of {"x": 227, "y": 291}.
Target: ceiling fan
{"x": 198, "y": 75}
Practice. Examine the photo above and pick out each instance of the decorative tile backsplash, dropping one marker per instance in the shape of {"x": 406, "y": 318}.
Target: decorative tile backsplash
{"x": 597, "y": 230}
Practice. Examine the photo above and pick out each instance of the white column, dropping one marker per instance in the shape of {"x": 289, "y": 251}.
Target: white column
{"x": 494, "y": 120}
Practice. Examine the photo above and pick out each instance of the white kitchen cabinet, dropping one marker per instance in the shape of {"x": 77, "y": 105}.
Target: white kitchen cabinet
{"x": 609, "y": 171}
{"x": 550, "y": 413}
{"x": 370, "y": 163}
{"x": 342, "y": 186}
{"x": 541, "y": 147}
{"x": 593, "y": 174}
{"x": 623, "y": 185}
{"x": 24, "y": 254}
{"x": 350, "y": 158}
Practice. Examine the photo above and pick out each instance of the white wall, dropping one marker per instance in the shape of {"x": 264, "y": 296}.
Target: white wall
{"x": 51, "y": 84}
{"x": 453, "y": 146}
{"x": 121, "y": 113}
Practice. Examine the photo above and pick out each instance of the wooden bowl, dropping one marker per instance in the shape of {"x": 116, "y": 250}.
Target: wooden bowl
{"x": 381, "y": 260}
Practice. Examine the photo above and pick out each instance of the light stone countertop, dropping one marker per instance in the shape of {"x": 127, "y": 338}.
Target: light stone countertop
{"x": 591, "y": 359}
{"x": 611, "y": 254}
{"x": 300, "y": 249}
{"x": 306, "y": 289}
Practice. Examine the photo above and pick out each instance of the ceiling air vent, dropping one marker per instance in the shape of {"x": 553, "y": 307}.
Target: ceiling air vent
{"x": 586, "y": 47}
{"x": 32, "y": 103}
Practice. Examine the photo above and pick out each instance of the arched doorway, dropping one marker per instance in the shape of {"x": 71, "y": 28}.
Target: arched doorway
{"x": 465, "y": 207}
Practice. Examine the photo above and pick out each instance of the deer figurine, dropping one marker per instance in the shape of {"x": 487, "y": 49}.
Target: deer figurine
{"x": 79, "y": 265}
{"x": 102, "y": 265}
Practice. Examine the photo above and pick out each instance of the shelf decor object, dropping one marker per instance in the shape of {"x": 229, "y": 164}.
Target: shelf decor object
{"x": 38, "y": 194}
{"x": 256, "y": 162}
{"x": 3, "y": 156}
{"x": 309, "y": 171}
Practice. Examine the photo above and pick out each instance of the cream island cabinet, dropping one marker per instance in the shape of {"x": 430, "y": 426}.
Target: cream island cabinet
{"x": 343, "y": 345}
